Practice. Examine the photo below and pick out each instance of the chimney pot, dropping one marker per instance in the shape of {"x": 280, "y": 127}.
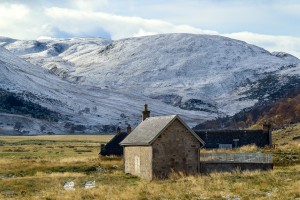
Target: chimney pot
{"x": 145, "y": 113}
{"x": 118, "y": 130}
{"x": 128, "y": 129}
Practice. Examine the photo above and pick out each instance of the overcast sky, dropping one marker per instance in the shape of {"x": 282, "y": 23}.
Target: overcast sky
{"x": 271, "y": 24}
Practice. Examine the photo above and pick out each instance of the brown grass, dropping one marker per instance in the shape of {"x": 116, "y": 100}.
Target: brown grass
{"x": 39, "y": 174}
{"x": 246, "y": 185}
{"x": 80, "y": 138}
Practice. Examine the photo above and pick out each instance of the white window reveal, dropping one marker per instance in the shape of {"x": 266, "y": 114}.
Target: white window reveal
{"x": 225, "y": 146}
{"x": 137, "y": 165}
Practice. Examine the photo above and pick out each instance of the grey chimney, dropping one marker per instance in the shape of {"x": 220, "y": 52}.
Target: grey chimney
{"x": 128, "y": 129}
{"x": 145, "y": 113}
{"x": 118, "y": 130}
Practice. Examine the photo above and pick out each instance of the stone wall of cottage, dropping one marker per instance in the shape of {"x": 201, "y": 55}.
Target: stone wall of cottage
{"x": 176, "y": 149}
{"x": 138, "y": 161}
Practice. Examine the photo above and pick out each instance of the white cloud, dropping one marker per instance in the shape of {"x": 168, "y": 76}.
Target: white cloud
{"x": 272, "y": 43}
{"x": 90, "y": 5}
{"x": 96, "y": 18}
{"x": 19, "y": 21}
{"x": 142, "y": 32}
{"x": 12, "y": 13}
{"x": 118, "y": 26}
{"x": 80, "y": 22}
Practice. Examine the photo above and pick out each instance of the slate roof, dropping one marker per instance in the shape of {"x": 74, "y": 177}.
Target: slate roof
{"x": 148, "y": 130}
{"x": 113, "y": 147}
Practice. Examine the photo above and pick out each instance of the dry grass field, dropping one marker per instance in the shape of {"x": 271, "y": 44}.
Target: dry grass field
{"x": 36, "y": 167}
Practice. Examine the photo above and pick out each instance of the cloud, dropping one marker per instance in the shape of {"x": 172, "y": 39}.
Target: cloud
{"x": 113, "y": 19}
{"x": 18, "y": 21}
{"x": 81, "y": 22}
{"x": 13, "y": 12}
{"x": 90, "y": 5}
{"x": 272, "y": 43}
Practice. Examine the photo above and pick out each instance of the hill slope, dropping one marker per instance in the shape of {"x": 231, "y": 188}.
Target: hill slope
{"x": 198, "y": 76}
{"x": 279, "y": 112}
{"x": 33, "y": 101}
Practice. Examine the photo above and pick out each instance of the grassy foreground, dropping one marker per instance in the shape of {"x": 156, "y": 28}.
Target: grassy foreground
{"x": 36, "y": 168}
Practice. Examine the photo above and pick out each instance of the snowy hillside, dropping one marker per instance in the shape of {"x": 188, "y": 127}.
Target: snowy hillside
{"x": 82, "y": 108}
{"x": 197, "y": 76}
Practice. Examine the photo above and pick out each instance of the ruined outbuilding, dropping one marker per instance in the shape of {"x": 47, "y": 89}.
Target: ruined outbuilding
{"x": 236, "y": 138}
{"x": 161, "y": 145}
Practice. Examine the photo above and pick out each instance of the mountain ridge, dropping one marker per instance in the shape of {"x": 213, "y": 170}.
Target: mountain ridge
{"x": 198, "y": 76}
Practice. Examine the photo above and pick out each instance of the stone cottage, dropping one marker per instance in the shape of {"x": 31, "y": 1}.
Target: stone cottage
{"x": 160, "y": 145}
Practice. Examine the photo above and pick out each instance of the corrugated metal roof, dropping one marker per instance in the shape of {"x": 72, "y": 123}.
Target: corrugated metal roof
{"x": 147, "y": 131}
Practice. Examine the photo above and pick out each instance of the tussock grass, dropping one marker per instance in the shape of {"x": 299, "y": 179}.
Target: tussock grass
{"x": 41, "y": 171}
{"x": 55, "y": 174}
{"x": 243, "y": 149}
{"x": 59, "y": 138}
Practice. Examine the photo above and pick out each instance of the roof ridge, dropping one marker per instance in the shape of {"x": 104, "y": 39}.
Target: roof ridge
{"x": 148, "y": 130}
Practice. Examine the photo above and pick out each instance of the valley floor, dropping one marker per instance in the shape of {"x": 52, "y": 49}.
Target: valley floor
{"x": 36, "y": 167}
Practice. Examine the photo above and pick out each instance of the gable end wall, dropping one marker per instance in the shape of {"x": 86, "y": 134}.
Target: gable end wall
{"x": 138, "y": 161}
{"x": 176, "y": 149}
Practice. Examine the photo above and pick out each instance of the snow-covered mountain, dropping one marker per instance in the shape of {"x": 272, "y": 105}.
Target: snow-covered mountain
{"x": 97, "y": 82}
